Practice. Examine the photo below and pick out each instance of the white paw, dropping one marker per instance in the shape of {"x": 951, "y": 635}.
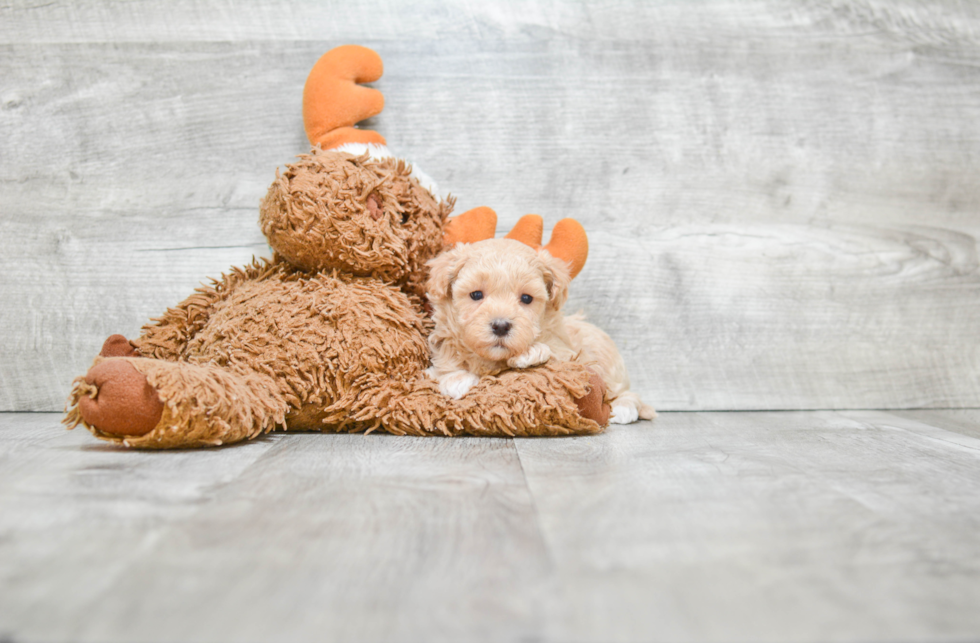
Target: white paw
{"x": 457, "y": 384}
{"x": 537, "y": 354}
{"x": 623, "y": 415}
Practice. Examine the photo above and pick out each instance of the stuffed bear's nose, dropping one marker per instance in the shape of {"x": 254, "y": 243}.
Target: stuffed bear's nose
{"x": 374, "y": 206}
{"x": 500, "y": 327}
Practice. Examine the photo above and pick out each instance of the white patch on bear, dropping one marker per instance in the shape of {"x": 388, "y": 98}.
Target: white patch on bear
{"x": 382, "y": 152}
{"x": 373, "y": 150}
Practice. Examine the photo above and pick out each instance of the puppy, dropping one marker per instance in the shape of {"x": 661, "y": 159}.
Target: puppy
{"x": 497, "y": 305}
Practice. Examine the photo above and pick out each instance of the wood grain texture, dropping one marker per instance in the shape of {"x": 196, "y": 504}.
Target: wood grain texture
{"x": 297, "y": 537}
{"x": 927, "y": 21}
{"x": 760, "y": 526}
{"x": 818, "y": 526}
{"x": 769, "y": 316}
{"x": 781, "y": 196}
{"x": 965, "y": 421}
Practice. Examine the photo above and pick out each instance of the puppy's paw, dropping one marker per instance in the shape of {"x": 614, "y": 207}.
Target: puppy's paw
{"x": 623, "y": 415}
{"x": 457, "y": 383}
{"x": 537, "y": 354}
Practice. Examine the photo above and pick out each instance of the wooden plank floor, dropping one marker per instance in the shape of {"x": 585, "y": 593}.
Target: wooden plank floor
{"x": 797, "y": 526}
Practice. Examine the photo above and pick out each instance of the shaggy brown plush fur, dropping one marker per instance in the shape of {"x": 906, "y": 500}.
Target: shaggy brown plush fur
{"x": 368, "y": 218}
{"x": 329, "y": 335}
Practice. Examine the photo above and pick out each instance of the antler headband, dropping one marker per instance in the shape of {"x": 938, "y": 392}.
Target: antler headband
{"x": 568, "y": 239}
{"x": 333, "y": 100}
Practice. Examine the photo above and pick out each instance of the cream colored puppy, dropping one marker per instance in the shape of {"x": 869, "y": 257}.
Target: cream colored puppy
{"x": 497, "y": 305}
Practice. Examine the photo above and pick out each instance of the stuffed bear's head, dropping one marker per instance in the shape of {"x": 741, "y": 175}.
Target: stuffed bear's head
{"x": 371, "y": 218}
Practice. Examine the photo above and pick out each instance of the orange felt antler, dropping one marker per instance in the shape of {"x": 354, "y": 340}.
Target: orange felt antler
{"x": 528, "y": 231}
{"x": 471, "y": 226}
{"x": 568, "y": 240}
{"x": 333, "y": 101}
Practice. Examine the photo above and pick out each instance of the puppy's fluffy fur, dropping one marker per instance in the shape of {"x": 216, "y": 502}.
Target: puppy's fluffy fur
{"x": 497, "y": 305}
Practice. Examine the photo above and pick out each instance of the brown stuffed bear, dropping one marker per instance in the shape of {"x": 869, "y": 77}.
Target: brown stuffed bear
{"x": 330, "y": 334}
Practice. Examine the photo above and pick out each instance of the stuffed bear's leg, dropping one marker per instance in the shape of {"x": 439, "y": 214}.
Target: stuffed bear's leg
{"x": 153, "y": 403}
{"x": 557, "y": 398}
{"x": 117, "y": 399}
{"x": 158, "y": 404}
{"x": 593, "y": 405}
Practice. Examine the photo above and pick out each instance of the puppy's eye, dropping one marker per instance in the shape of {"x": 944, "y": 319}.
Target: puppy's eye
{"x": 404, "y": 217}
{"x": 476, "y": 295}
{"x": 526, "y": 299}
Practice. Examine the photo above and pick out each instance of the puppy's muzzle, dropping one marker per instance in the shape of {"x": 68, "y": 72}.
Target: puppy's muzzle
{"x": 500, "y": 327}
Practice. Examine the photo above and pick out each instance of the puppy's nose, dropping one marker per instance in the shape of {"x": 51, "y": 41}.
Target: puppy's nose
{"x": 500, "y": 327}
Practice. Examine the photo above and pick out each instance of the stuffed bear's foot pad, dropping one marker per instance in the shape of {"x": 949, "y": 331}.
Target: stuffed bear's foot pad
{"x": 125, "y": 403}
{"x": 593, "y": 406}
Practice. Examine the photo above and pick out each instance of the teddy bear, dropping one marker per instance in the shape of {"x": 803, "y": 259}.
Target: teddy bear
{"x": 330, "y": 333}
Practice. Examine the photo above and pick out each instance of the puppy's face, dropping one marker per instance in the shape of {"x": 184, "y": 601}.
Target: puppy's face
{"x": 494, "y": 296}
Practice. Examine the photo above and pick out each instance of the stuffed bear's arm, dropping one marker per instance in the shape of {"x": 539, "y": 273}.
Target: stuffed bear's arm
{"x": 555, "y": 398}
{"x": 167, "y": 336}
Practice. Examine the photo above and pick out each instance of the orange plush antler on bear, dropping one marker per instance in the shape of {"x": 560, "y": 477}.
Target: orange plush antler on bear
{"x": 334, "y": 101}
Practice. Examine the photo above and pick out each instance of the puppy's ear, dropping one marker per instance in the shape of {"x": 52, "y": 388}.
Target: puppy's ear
{"x": 556, "y": 278}
{"x": 442, "y": 273}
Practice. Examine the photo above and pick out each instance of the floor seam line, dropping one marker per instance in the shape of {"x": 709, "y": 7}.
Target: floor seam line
{"x": 552, "y": 562}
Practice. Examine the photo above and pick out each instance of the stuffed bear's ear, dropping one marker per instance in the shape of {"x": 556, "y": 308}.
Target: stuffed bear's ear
{"x": 471, "y": 226}
{"x": 333, "y": 101}
{"x": 556, "y": 278}
{"x": 442, "y": 273}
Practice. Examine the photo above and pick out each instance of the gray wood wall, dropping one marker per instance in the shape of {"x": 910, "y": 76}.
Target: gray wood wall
{"x": 782, "y": 197}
